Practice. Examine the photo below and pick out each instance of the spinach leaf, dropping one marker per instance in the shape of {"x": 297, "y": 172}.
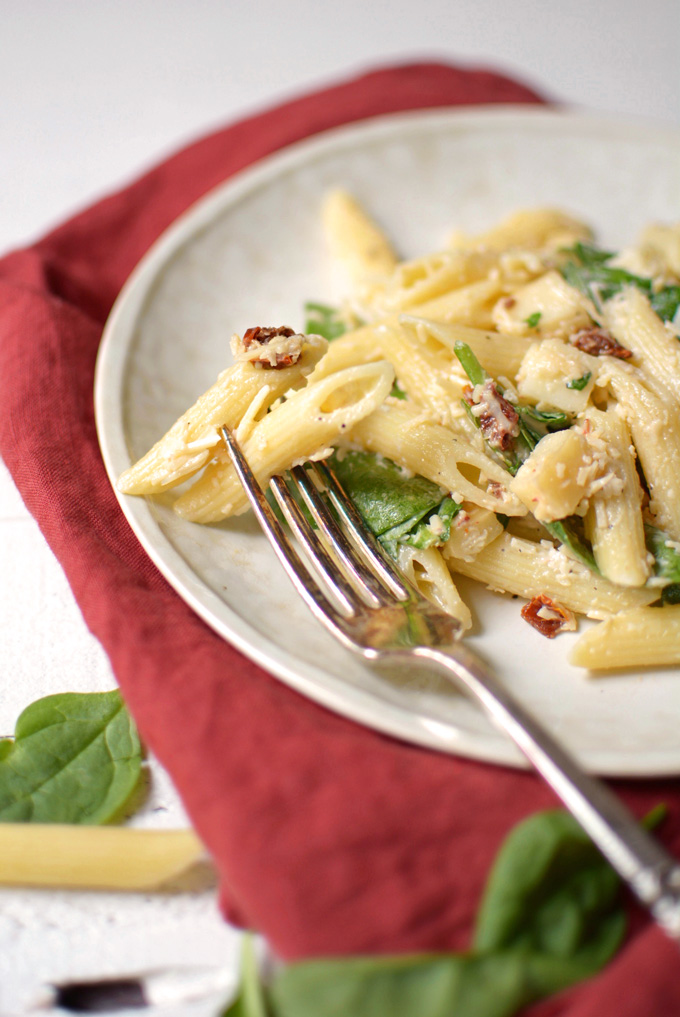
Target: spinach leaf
{"x": 580, "y": 383}
{"x": 404, "y": 986}
{"x": 323, "y": 320}
{"x": 533, "y": 319}
{"x": 666, "y": 554}
{"x": 550, "y": 916}
{"x": 533, "y": 425}
{"x": 430, "y": 532}
{"x": 398, "y": 392}
{"x": 666, "y": 562}
{"x": 588, "y": 271}
{"x": 251, "y": 999}
{"x": 552, "y": 897}
{"x": 75, "y": 758}
{"x": 393, "y": 503}
{"x": 567, "y": 531}
{"x": 666, "y": 302}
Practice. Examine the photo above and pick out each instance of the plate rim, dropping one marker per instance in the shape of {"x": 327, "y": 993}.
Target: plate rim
{"x": 350, "y": 702}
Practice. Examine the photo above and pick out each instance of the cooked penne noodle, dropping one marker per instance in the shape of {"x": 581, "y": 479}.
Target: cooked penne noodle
{"x": 428, "y": 572}
{"x": 655, "y": 427}
{"x": 298, "y": 429}
{"x": 191, "y": 441}
{"x": 632, "y": 322}
{"x": 613, "y": 523}
{"x": 355, "y": 241}
{"x": 409, "y": 438}
{"x": 527, "y": 228}
{"x": 521, "y": 567}
{"x": 640, "y": 637}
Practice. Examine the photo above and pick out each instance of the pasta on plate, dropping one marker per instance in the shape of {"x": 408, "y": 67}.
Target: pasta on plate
{"x": 506, "y": 409}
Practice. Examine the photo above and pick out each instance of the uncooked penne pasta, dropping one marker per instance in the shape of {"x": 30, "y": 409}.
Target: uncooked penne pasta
{"x": 94, "y": 857}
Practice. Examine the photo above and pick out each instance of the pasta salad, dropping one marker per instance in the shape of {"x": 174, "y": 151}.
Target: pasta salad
{"x": 505, "y": 409}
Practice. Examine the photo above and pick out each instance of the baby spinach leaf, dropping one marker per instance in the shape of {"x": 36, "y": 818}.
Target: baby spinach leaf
{"x": 552, "y": 897}
{"x": 587, "y": 271}
{"x": 533, "y": 319}
{"x": 666, "y": 302}
{"x": 665, "y": 552}
{"x": 75, "y": 758}
{"x": 567, "y": 531}
{"x": 388, "y": 498}
{"x": 470, "y": 364}
{"x": 580, "y": 383}
{"x": 398, "y": 392}
{"x": 323, "y": 320}
{"x": 404, "y": 986}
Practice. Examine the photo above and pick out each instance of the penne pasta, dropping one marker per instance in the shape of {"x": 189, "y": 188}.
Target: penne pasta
{"x": 298, "y": 429}
{"x": 521, "y": 567}
{"x": 509, "y": 410}
{"x": 640, "y": 637}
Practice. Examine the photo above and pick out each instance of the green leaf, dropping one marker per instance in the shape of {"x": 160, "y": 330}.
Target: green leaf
{"x": 665, "y": 552}
{"x": 404, "y": 986}
{"x": 666, "y": 302}
{"x": 251, "y": 1000}
{"x": 323, "y": 320}
{"x": 567, "y": 532}
{"x": 387, "y": 497}
{"x": 398, "y": 392}
{"x": 580, "y": 383}
{"x": 470, "y": 364}
{"x": 588, "y": 271}
{"x": 533, "y": 319}
{"x": 553, "y": 897}
{"x": 75, "y": 758}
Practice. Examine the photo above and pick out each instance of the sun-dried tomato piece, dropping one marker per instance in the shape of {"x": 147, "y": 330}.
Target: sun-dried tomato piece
{"x": 548, "y": 617}
{"x": 498, "y": 418}
{"x": 259, "y": 336}
{"x": 599, "y": 343}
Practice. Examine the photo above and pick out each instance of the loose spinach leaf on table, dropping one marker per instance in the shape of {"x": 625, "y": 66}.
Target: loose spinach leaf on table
{"x": 420, "y": 986}
{"x": 550, "y": 916}
{"x": 553, "y": 897}
{"x": 75, "y": 758}
{"x": 396, "y": 506}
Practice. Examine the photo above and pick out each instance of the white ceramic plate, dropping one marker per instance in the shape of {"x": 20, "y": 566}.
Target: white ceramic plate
{"x": 251, "y": 253}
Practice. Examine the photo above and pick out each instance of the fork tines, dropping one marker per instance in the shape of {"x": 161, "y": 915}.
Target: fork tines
{"x": 345, "y": 558}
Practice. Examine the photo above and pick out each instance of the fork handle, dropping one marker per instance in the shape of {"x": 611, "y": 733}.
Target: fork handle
{"x": 652, "y": 874}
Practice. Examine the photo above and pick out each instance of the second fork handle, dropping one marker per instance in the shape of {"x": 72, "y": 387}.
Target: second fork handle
{"x": 652, "y": 873}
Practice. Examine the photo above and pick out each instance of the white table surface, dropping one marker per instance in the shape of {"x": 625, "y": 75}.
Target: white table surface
{"x": 93, "y": 94}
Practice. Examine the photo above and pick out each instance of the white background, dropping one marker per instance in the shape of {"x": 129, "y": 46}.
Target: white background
{"x": 95, "y": 91}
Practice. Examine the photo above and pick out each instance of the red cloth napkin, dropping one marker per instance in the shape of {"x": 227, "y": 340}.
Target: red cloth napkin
{"x": 329, "y": 838}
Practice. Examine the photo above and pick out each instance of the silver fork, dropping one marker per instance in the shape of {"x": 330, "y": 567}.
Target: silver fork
{"x": 359, "y": 595}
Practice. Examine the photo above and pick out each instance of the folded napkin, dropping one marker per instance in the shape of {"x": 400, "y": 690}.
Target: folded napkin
{"x": 328, "y": 838}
